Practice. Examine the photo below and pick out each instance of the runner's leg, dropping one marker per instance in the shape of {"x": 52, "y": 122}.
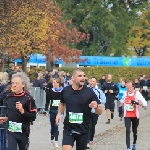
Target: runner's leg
{"x": 11, "y": 142}
{"x": 52, "y": 120}
{"x": 23, "y": 143}
{"x": 68, "y": 140}
{"x": 81, "y": 141}
{"x": 127, "y": 125}
{"x": 107, "y": 108}
{"x": 94, "y": 122}
{"x": 135, "y": 123}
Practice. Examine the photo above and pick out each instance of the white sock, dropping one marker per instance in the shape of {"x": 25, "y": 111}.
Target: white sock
{"x": 52, "y": 141}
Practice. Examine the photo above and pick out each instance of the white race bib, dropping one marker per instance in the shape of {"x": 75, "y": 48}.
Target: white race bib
{"x": 145, "y": 88}
{"x": 14, "y": 127}
{"x": 75, "y": 117}
{"x": 129, "y": 107}
{"x": 55, "y": 102}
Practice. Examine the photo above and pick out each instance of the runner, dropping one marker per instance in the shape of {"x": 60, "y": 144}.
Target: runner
{"x": 21, "y": 111}
{"x": 137, "y": 84}
{"x": 122, "y": 90}
{"x": 111, "y": 91}
{"x": 94, "y": 117}
{"x": 78, "y": 100}
{"x": 55, "y": 97}
{"x": 145, "y": 85}
{"x": 131, "y": 100}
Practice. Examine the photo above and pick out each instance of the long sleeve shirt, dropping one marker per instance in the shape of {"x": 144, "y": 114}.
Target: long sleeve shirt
{"x": 101, "y": 96}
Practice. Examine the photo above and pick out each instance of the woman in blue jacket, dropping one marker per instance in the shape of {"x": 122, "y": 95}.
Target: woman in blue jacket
{"x": 122, "y": 90}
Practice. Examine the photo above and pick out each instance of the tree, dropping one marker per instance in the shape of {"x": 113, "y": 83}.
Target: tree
{"x": 6, "y": 22}
{"x": 38, "y": 28}
{"x": 139, "y": 35}
{"x": 108, "y": 18}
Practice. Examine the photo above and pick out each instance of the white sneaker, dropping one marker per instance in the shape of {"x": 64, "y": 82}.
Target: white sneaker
{"x": 52, "y": 144}
{"x": 88, "y": 146}
{"x": 56, "y": 145}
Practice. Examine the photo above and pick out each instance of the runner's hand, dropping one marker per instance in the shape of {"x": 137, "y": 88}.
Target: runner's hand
{"x": 105, "y": 91}
{"x": 134, "y": 102}
{"x": 93, "y": 104}
{"x": 19, "y": 107}
{"x": 3, "y": 119}
{"x": 111, "y": 91}
{"x": 58, "y": 119}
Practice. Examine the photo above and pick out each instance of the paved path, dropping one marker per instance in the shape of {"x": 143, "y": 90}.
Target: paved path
{"x": 108, "y": 136}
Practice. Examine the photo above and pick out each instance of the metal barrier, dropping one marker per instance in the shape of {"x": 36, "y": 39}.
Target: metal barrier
{"x": 3, "y": 127}
{"x": 39, "y": 95}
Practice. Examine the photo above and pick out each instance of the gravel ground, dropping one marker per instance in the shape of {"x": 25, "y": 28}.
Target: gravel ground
{"x": 114, "y": 139}
{"x": 108, "y": 137}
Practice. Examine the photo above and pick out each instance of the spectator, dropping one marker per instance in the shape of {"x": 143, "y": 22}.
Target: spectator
{"x": 102, "y": 80}
{"x": 11, "y": 68}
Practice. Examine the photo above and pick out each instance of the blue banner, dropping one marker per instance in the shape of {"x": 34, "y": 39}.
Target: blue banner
{"x": 115, "y": 61}
{"x": 98, "y": 61}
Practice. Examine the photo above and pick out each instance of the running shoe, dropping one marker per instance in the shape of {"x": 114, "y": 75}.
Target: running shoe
{"x": 56, "y": 145}
{"x": 52, "y": 144}
{"x": 88, "y": 146}
{"x": 133, "y": 147}
{"x": 128, "y": 148}
{"x": 108, "y": 122}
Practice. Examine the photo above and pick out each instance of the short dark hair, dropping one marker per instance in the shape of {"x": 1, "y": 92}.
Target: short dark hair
{"x": 94, "y": 78}
{"x": 130, "y": 81}
{"x": 76, "y": 70}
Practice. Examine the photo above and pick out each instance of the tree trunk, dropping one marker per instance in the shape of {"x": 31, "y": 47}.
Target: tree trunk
{"x": 24, "y": 64}
{"x": 2, "y": 64}
{"x": 49, "y": 62}
{"x": 49, "y": 66}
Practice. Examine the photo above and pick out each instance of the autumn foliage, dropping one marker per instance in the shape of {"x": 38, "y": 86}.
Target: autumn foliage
{"x": 139, "y": 36}
{"x": 38, "y": 28}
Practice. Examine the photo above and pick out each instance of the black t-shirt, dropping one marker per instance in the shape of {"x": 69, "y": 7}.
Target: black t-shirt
{"x": 55, "y": 97}
{"x": 77, "y": 106}
{"x": 110, "y": 86}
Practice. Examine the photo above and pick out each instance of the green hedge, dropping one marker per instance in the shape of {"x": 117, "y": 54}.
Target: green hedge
{"x": 117, "y": 72}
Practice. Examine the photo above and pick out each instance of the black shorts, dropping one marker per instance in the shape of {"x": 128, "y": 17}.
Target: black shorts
{"x": 110, "y": 105}
{"x": 69, "y": 139}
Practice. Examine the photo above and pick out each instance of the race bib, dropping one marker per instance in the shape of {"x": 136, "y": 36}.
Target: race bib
{"x": 55, "y": 102}
{"x": 14, "y": 127}
{"x": 145, "y": 88}
{"x": 137, "y": 89}
{"x": 75, "y": 117}
{"x": 129, "y": 107}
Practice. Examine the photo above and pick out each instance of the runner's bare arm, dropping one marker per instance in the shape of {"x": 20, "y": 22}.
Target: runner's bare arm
{"x": 61, "y": 108}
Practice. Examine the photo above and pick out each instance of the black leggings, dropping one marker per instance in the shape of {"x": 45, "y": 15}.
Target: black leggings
{"x": 135, "y": 123}
{"x": 54, "y": 127}
{"x": 94, "y": 118}
{"x": 14, "y": 139}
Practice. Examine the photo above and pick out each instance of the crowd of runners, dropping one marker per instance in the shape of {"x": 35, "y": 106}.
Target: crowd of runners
{"x": 75, "y": 98}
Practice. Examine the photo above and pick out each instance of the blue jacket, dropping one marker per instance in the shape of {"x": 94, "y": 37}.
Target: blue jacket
{"x": 121, "y": 91}
{"x": 101, "y": 96}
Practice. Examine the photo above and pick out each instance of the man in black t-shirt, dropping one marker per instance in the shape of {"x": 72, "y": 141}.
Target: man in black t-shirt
{"x": 78, "y": 100}
{"x": 111, "y": 91}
